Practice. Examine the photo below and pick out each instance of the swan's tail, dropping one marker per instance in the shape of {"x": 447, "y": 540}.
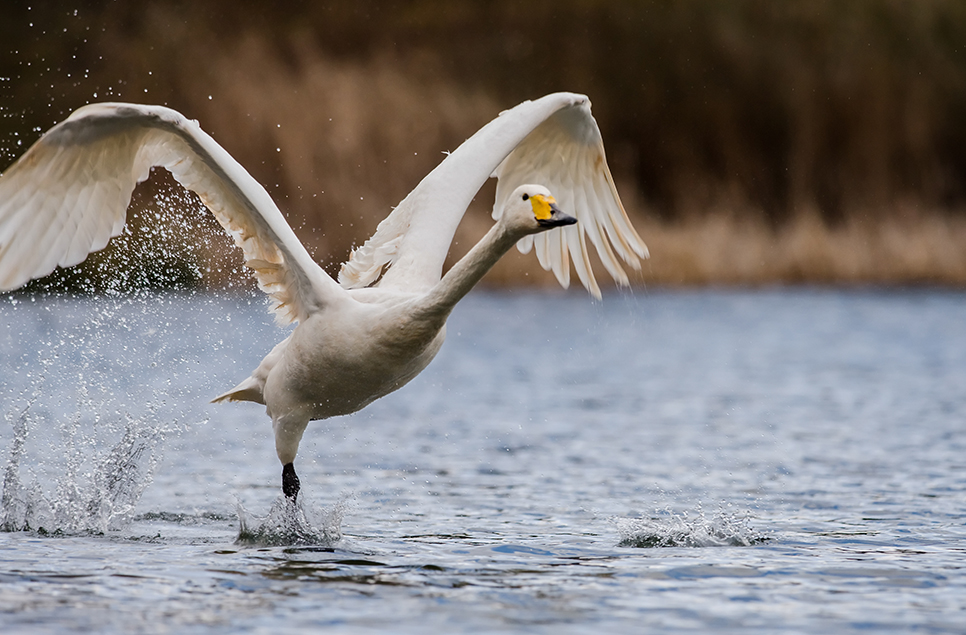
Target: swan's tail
{"x": 248, "y": 390}
{"x": 252, "y": 388}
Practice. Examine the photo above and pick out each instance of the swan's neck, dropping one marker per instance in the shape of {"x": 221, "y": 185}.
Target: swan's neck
{"x": 464, "y": 275}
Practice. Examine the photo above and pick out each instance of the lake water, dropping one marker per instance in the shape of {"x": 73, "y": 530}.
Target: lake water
{"x": 761, "y": 461}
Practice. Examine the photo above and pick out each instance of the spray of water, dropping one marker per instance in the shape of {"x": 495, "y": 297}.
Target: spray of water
{"x": 723, "y": 528}
{"x": 292, "y": 523}
{"x": 94, "y": 492}
{"x": 99, "y": 410}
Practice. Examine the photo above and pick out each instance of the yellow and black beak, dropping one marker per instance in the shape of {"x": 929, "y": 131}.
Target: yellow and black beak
{"x": 548, "y": 214}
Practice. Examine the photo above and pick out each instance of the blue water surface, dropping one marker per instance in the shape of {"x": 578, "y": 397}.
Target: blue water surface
{"x": 768, "y": 461}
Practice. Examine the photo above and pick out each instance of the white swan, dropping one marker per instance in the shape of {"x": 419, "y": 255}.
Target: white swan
{"x": 354, "y": 342}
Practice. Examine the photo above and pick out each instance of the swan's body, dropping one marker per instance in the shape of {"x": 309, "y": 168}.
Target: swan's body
{"x": 371, "y": 334}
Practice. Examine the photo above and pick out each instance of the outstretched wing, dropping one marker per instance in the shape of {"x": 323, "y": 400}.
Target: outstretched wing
{"x": 552, "y": 141}
{"x": 565, "y": 153}
{"x": 68, "y": 195}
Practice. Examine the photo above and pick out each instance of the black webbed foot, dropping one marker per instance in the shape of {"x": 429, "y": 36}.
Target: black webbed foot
{"x": 290, "y": 481}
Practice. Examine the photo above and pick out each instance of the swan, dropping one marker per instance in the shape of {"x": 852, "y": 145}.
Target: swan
{"x": 383, "y": 322}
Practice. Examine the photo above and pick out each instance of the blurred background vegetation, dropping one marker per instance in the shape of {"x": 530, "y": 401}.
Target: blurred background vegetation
{"x": 753, "y": 141}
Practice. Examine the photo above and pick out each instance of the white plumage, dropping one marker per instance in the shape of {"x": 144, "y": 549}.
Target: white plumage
{"x": 355, "y": 342}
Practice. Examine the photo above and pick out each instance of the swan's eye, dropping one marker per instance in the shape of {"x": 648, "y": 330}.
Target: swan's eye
{"x": 526, "y": 196}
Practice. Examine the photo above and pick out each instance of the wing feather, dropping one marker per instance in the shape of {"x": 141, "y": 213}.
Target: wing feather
{"x": 541, "y": 247}
{"x": 604, "y": 248}
{"x": 581, "y": 258}
{"x": 81, "y": 238}
{"x": 564, "y": 258}
{"x": 68, "y": 195}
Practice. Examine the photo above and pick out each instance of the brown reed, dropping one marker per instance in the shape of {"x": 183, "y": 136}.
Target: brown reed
{"x": 754, "y": 143}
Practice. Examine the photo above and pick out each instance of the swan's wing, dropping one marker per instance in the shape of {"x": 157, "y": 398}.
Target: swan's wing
{"x": 68, "y": 195}
{"x": 553, "y": 141}
{"x": 565, "y": 153}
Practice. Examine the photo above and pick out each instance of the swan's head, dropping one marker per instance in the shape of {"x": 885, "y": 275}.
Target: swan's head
{"x": 531, "y": 209}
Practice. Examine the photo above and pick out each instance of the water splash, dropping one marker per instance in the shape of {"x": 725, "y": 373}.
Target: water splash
{"x": 15, "y": 502}
{"x": 724, "y": 528}
{"x": 93, "y": 492}
{"x": 289, "y": 523}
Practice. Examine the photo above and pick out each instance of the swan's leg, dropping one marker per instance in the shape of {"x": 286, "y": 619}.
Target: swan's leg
{"x": 288, "y": 433}
{"x": 290, "y": 481}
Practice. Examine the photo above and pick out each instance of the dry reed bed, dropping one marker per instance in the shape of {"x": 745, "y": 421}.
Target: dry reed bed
{"x": 721, "y": 249}
{"x": 339, "y": 141}
{"x": 372, "y": 131}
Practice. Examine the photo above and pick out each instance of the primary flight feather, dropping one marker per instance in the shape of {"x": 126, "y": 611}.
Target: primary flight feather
{"x": 384, "y": 321}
